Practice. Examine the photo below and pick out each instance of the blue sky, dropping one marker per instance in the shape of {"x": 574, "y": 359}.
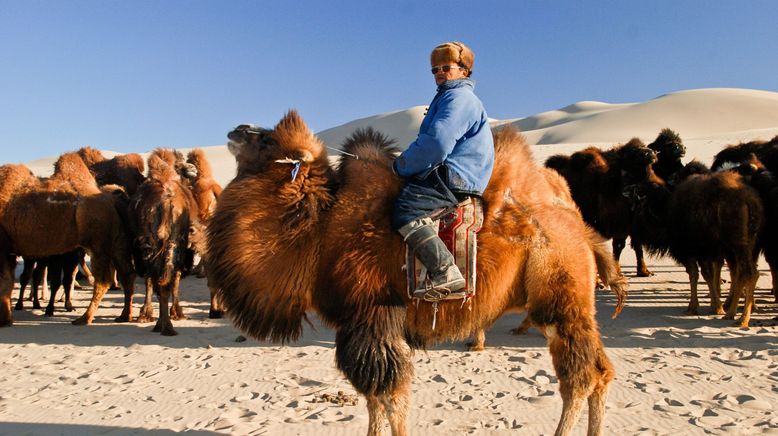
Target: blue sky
{"x": 134, "y": 75}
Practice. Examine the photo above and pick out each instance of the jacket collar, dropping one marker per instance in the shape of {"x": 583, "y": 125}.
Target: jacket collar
{"x": 458, "y": 83}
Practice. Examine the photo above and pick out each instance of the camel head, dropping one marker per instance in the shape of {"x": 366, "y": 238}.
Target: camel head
{"x": 175, "y": 159}
{"x": 197, "y": 159}
{"x": 257, "y": 150}
{"x": 635, "y": 160}
{"x": 668, "y": 145}
{"x": 90, "y": 156}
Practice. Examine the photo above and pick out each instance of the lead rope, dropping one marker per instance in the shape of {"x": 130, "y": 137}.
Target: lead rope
{"x": 343, "y": 152}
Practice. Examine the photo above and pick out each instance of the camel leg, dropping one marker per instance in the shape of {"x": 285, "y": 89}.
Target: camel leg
{"x": 147, "y": 311}
{"x": 102, "y": 273}
{"x": 693, "y": 272}
{"x": 216, "y": 311}
{"x": 24, "y": 279}
{"x": 126, "y": 276}
{"x": 176, "y": 311}
{"x": 523, "y": 328}
{"x": 597, "y": 409}
{"x": 618, "y": 246}
{"x": 642, "y": 269}
{"x": 711, "y": 272}
{"x": 396, "y": 407}
{"x": 376, "y": 416}
{"x": 744, "y": 280}
{"x": 39, "y": 276}
{"x": 735, "y": 272}
{"x": 55, "y": 266}
{"x": 69, "y": 279}
{"x": 90, "y": 278}
{"x": 584, "y": 373}
{"x": 7, "y": 267}
{"x": 477, "y": 344}
{"x": 164, "y": 325}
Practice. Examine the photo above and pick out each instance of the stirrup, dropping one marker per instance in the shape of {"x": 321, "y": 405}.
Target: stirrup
{"x": 435, "y": 294}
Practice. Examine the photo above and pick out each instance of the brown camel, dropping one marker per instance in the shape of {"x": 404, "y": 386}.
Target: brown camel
{"x": 284, "y": 242}
{"x": 161, "y": 214}
{"x": 57, "y": 215}
{"x": 205, "y": 190}
{"x": 179, "y": 178}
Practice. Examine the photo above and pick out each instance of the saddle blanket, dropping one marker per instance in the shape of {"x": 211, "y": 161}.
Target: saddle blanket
{"x": 457, "y": 228}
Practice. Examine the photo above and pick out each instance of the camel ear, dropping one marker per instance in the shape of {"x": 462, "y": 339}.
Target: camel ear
{"x": 293, "y": 135}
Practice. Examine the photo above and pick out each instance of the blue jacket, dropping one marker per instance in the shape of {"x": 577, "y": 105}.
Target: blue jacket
{"x": 455, "y": 133}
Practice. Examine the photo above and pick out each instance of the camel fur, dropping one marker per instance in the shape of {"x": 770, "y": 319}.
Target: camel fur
{"x": 284, "y": 242}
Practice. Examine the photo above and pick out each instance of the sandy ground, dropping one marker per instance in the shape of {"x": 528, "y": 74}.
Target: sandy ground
{"x": 675, "y": 373}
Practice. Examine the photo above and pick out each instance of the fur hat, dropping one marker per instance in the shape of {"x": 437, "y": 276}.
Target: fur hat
{"x": 453, "y": 52}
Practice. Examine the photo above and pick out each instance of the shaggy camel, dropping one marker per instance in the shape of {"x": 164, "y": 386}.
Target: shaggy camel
{"x": 62, "y": 213}
{"x": 161, "y": 213}
{"x": 766, "y": 155}
{"x": 669, "y": 150}
{"x": 206, "y": 191}
{"x": 705, "y": 220}
{"x": 596, "y": 182}
{"x": 283, "y": 240}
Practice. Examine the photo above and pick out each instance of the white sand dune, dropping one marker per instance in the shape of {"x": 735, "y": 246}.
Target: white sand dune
{"x": 676, "y": 374}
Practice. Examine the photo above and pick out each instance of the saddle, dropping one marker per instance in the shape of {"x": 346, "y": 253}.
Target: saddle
{"x": 457, "y": 227}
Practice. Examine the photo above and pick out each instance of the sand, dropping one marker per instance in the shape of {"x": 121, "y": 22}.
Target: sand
{"x": 676, "y": 374}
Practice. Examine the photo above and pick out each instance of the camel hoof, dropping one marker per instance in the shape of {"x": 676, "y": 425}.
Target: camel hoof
{"x": 36, "y": 305}
{"x": 19, "y": 306}
{"x": 472, "y": 346}
{"x": 49, "y": 312}
{"x": 69, "y": 308}
{"x": 518, "y": 331}
{"x": 169, "y": 332}
{"x": 145, "y": 319}
{"x": 82, "y": 320}
{"x": 215, "y": 314}
{"x": 728, "y": 316}
{"x": 741, "y": 324}
{"x": 645, "y": 273}
{"x": 177, "y": 317}
{"x": 122, "y": 318}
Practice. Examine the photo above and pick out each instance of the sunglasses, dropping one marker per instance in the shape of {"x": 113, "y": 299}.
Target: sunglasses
{"x": 444, "y": 68}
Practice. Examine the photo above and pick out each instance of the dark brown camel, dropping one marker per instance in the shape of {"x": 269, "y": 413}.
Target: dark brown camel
{"x": 596, "y": 182}
{"x": 281, "y": 245}
{"x": 706, "y": 219}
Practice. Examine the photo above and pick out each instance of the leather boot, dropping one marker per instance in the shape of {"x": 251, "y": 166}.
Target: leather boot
{"x": 444, "y": 280}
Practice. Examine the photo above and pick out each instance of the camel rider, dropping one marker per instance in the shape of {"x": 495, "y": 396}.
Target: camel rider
{"x": 452, "y": 158}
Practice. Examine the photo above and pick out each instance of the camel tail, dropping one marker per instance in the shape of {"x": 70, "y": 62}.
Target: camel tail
{"x": 608, "y": 270}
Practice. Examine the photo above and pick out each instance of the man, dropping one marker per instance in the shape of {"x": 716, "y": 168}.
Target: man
{"x": 452, "y": 158}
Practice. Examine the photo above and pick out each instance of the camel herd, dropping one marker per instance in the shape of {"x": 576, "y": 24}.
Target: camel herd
{"x": 290, "y": 235}
{"x": 701, "y": 217}
{"x": 128, "y": 222}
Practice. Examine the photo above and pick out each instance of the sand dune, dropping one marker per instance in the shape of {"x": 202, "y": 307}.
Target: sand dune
{"x": 676, "y": 374}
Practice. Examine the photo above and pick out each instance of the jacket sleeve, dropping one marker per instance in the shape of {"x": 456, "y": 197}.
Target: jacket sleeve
{"x": 455, "y": 115}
